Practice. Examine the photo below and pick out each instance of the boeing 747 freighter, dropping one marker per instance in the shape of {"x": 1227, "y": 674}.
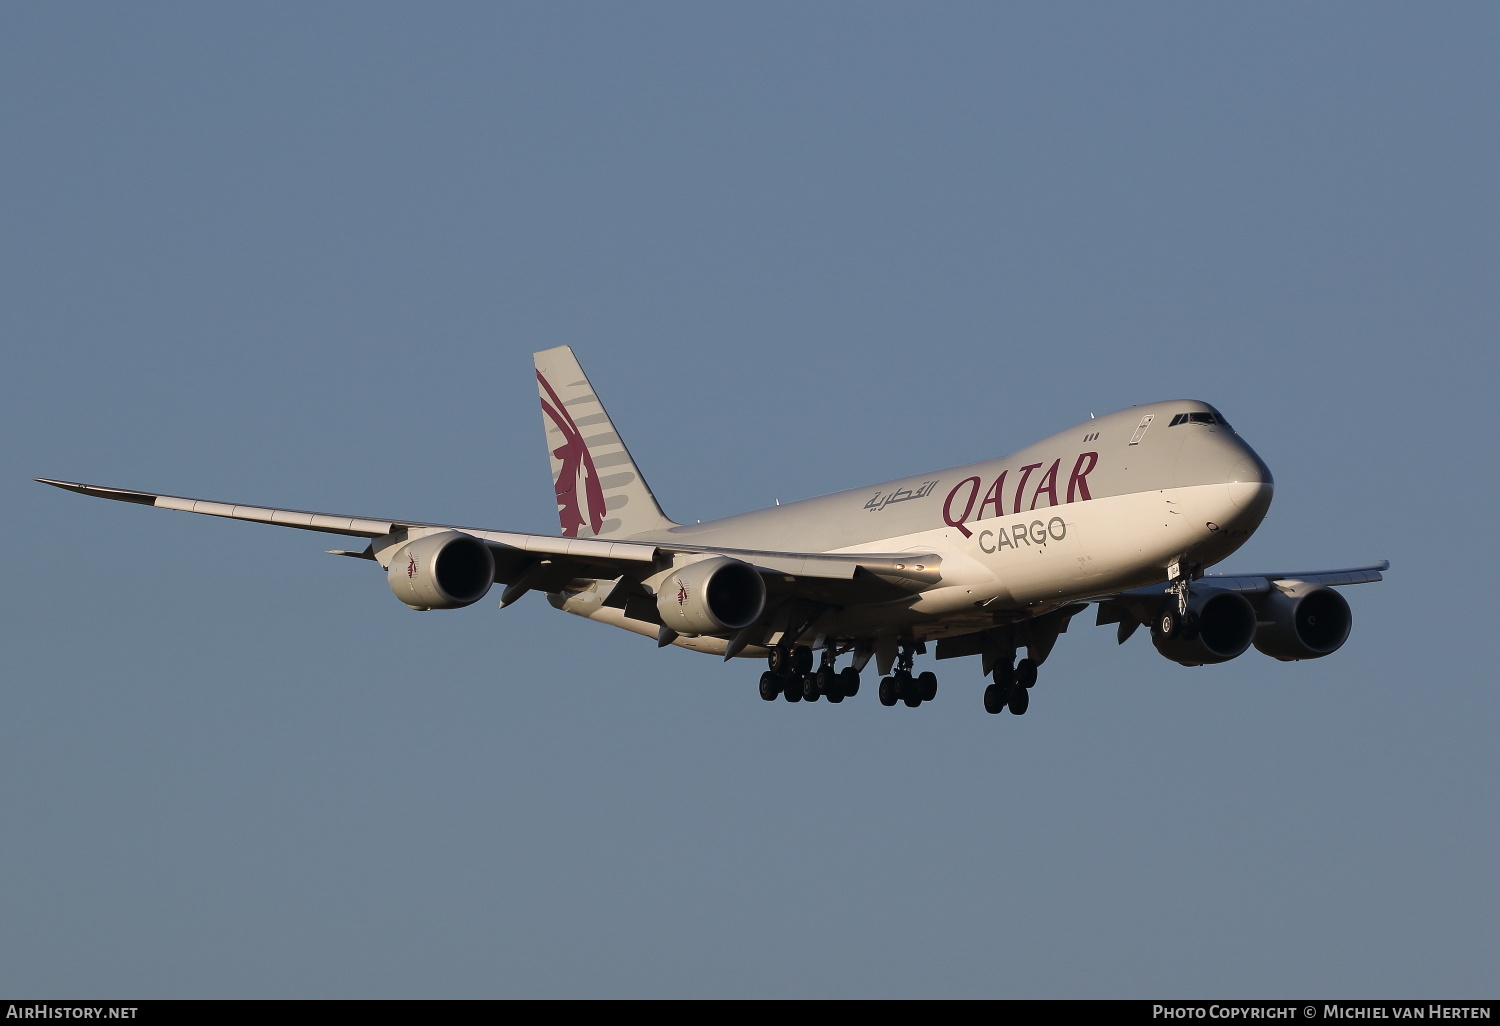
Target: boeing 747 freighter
{"x": 993, "y": 559}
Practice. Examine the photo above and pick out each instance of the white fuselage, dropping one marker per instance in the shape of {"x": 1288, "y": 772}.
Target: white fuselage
{"x": 1102, "y": 507}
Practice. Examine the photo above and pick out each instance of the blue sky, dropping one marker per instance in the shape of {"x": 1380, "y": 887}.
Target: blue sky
{"x": 300, "y": 255}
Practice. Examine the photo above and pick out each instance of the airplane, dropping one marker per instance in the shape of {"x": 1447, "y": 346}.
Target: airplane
{"x": 1122, "y": 512}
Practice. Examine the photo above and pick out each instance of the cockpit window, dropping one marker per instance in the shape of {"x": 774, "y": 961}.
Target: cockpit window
{"x": 1198, "y": 418}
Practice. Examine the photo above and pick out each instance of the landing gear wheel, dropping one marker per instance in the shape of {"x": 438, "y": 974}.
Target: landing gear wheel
{"x": 810, "y": 687}
{"x": 1168, "y": 624}
{"x": 994, "y": 698}
{"x": 1020, "y": 701}
{"x": 849, "y": 681}
{"x": 903, "y": 686}
{"x": 770, "y": 686}
{"x": 826, "y": 680}
{"x": 791, "y": 688}
{"x": 888, "y": 696}
{"x": 801, "y": 659}
{"x": 906, "y": 688}
{"x": 927, "y": 685}
{"x": 1004, "y": 676}
{"x": 778, "y": 659}
{"x": 1026, "y": 673}
{"x": 835, "y": 693}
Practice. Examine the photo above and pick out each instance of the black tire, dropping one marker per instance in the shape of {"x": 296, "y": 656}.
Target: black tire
{"x": 901, "y": 680}
{"x": 791, "y": 688}
{"x": 801, "y": 659}
{"x": 777, "y": 659}
{"x": 835, "y": 693}
{"x": 827, "y": 680}
{"x": 1020, "y": 701}
{"x": 849, "y": 681}
{"x": 906, "y": 687}
{"x": 927, "y": 685}
{"x": 1026, "y": 673}
{"x": 770, "y": 686}
{"x": 1167, "y": 625}
{"x": 888, "y": 696}
{"x": 810, "y": 687}
{"x": 1004, "y": 674}
{"x": 994, "y": 698}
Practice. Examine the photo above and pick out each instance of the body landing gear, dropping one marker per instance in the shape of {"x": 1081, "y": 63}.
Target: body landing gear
{"x": 1011, "y": 688}
{"x": 904, "y": 686}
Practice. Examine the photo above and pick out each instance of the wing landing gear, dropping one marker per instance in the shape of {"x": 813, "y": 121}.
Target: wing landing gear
{"x": 1011, "y": 687}
{"x": 791, "y": 676}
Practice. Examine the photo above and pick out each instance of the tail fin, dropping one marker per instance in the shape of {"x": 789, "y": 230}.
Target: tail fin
{"x": 599, "y": 489}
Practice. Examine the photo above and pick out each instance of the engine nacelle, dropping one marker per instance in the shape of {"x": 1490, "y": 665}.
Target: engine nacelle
{"x": 1306, "y": 621}
{"x": 1226, "y": 626}
{"x": 711, "y": 596}
{"x": 442, "y": 571}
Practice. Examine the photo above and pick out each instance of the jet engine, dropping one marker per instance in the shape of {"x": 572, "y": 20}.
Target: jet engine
{"x": 711, "y": 596}
{"x": 1226, "y": 624}
{"x": 1305, "y": 621}
{"x": 442, "y": 571}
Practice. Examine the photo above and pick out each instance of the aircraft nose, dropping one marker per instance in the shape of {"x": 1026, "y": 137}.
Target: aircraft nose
{"x": 1249, "y": 483}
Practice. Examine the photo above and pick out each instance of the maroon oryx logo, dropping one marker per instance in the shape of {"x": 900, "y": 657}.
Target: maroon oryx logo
{"x": 411, "y": 566}
{"x": 681, "y": 592}
{"x": 577, "y": 472}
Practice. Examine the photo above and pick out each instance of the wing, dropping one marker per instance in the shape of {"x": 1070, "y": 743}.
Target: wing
{"x": 514, "y": 553}
{"x": 1129, "y": 608}
{"x": 1329, "y": 578}
{"x": 1262, "y": 582}
{"x": 547, "y": 562}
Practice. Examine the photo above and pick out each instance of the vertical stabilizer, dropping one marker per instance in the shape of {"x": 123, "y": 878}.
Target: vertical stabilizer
{"x": 599, "y": 489}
